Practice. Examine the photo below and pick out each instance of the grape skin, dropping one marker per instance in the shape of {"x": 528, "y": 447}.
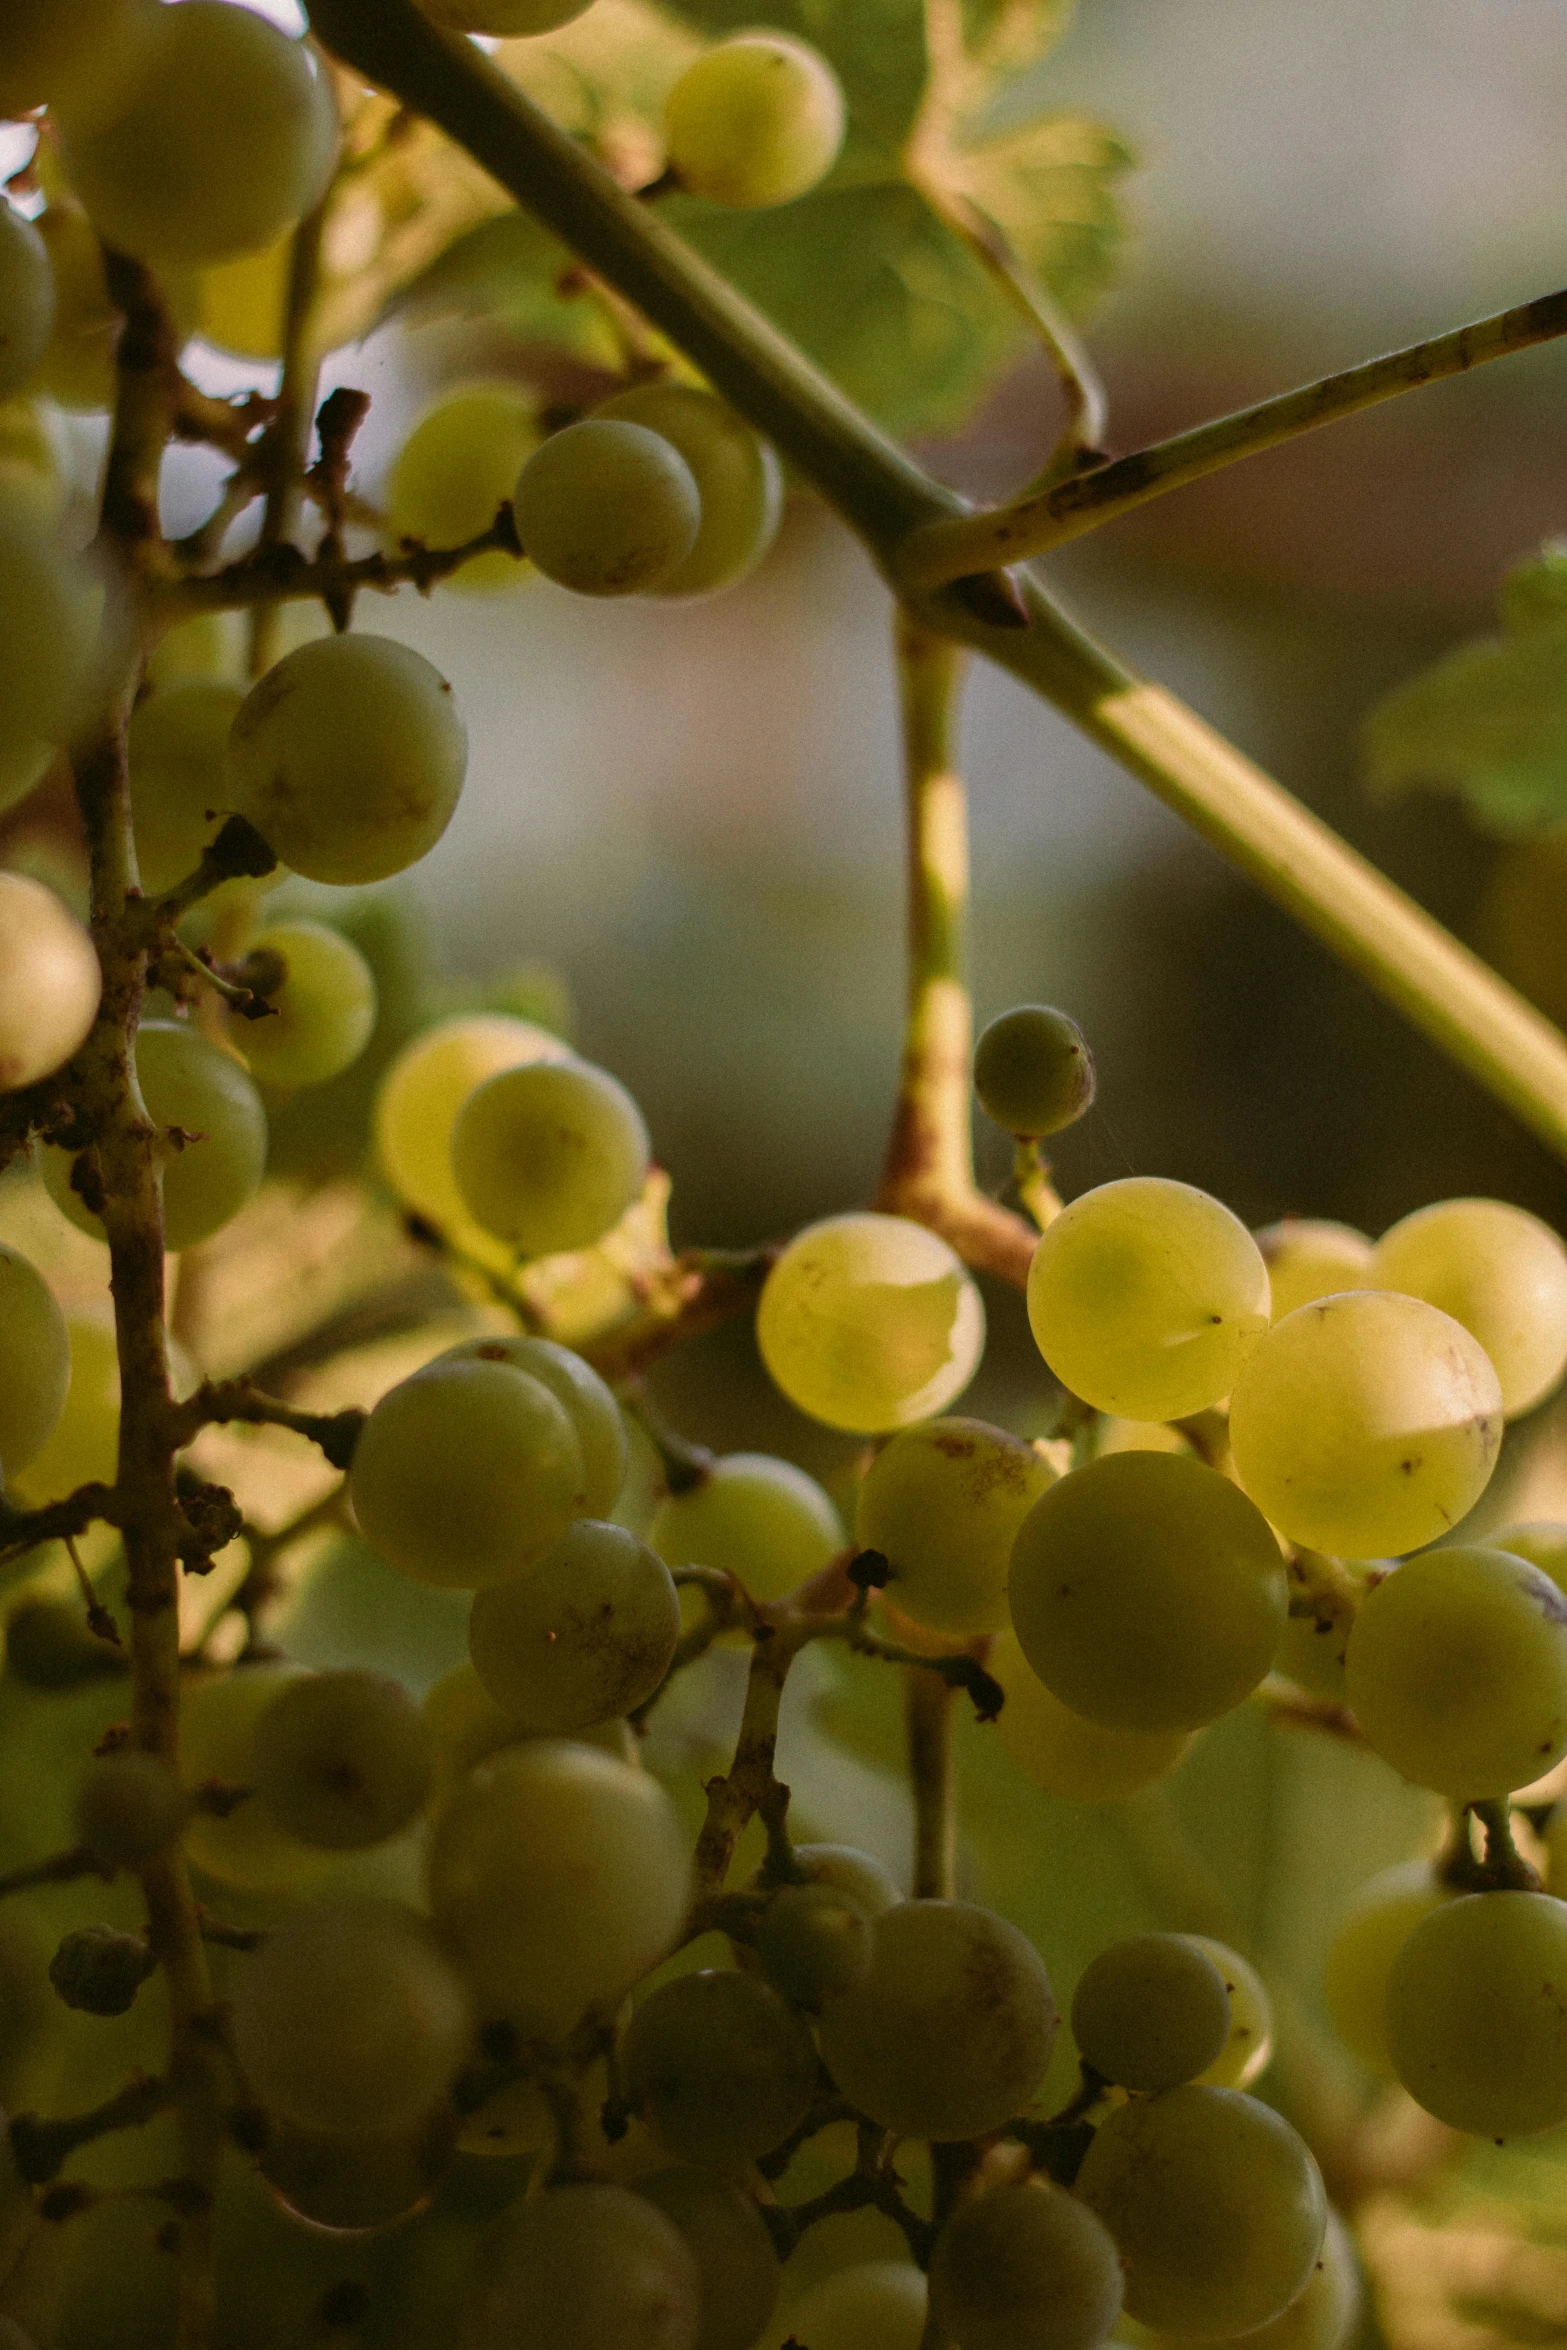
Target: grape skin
{"x": 756, "y": 121}
{"x": 586, "y": 1634}
{"x": 1146, "y": 1297}
{"x": 587, "y": 1402}
{"x": 322, "y": 1013}
{"x": 129, "y": 1807}
{"x": 758, "y": 1518}
{"x": 1248, "y": 2051}
{"x": 50, "y": 606}
{"x": 1325, "y": 2315}
{"x": 870, "y": 1322}
{"x": 729, "y": 2242}
{"x": 1366, "y": 1424}
{"x": 1360, "y": 1956}
{"x": 1033, "y": 1071}
{"x": 738, "y": 479}
{"x": 342, "y": 1759}
{"x": 719, "y": 2067}
{"x": 178, "y": 747}
{"x": 35, "y": 1362}
{"x": 1150, "y": 2012}
{"x": 943, "y": 1504}
{"x": 1310, "y": 1257}
{"x": 1476, "y": 2024}
{"x": 454, "y": 472}
{"x": 583, "y": 2267}
{"x": 1025, "y": 2267}
{"x": 813, "y": 1940}
{"x": 83, "y": 1445}
{"x": 241, "y": 305}
{"x": 1456, "y": 1671}
{"x": 549, "y": 1156}
{"x": 77, "y": 366}
{"x": 1064, "y": 1753}
{"x": 847, "y": 1870}
{"x": 607, "y": 508}
{"x": 355, "y": 2182}
{"x": 417, "y": 1104}
{"x": 1542, "y": 1542}
{"x": 1147, "y": 1593}
{"x": 85, "y": 50}
{"x": 218, "y": 1720}
{"x": 26, "y": 300}
{"x": 1498, "y": 1271}
{"x": 348, "y": 756}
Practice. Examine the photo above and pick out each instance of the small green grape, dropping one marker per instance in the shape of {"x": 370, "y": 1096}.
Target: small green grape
{"x": 454, "y": 472}
{"x": 77, "y": 365}
{"x": 348, "y": 756}
{"x": 1359, "y": 1959}
{"x": 738, "y": 479}
{"x": 1033, "y": 1071}
{"x": 1309, "y": 1257}
{"x": 607, "y": 508}
{"x": 180, "y": 793}
{"x": 241, "y": 305}
{"x": 1026, "y": 2267}
{"x": 1151, "y": 2012}
{"x": 577, "y": 1387}
{"x": 847, "y": 1870}
{"x": 129, "y": 1808}
{"x": 876, "y": 2305}
{"x": 550, "y": 1155}
{"x": 813, "y": 1940}
{"x": 82, "y": 49}
{"x": 1476, "y": 2026}
{"x": 1248, "y": 2051}
{"x": 417, "y": 1104}
{"x": 342, "y": 1759}
{"x": 352, "y": 2181}
{"x": 719, "y": 2067}
{"x": 943, "y": 1503}
{"x": 1541, "y": 1541}
{"x": 583, "y": 2267}
{"x": 322, "y": 1013}
{"x": 83, "y": 1446}
{"x": 758, "y": 120}
{"x": 26, "y": 300}
{"x": 585, "y": 1634}
{"x": 1498, "y": 1271}
{"x": 219, "y": 1717}
{"x": 35, "y": 1362}
{"x": 1063, "y": 1752}
{"x": 762, "y": 1519}
{"x": 51, "y": 604}
{"x": 50, "y": 982}
{"x": 731, "y": 2246}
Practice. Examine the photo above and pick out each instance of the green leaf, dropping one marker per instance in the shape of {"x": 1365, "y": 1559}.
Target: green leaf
{"x": 1488, "y": 722}
{"x": 1052, "y": 189}
{"x": 876, "y": 48}
{"x": 510, "y": 270}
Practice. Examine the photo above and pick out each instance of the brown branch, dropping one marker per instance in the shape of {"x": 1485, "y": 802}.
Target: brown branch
{"x": 41, "y": 2146}
{"x": 281, "y": 574}
{"x": 927, "y": 1717}
{"x": 220, "y": 1401}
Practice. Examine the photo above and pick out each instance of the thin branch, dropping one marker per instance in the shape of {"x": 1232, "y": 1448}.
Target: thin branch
{"x": 957, "y": 1671}
{"x": 281, "y": 574}
{"x": 41, "y": 2146}
{"x": 219, "y": 1401}
{"x": 749, "y": 1786}
{"x": 927, "y": 1719}
{"x": 282, "y": 456}
{"x": 59, "y": 1869}
{"x": 57, "y": 1521}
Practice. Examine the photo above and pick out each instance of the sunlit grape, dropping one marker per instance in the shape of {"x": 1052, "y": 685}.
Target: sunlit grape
{"x": 419, "y": 1098}
{"x": 607, "y": 508}
{"x": 1150, "y": 2012}
{"x": 77, "y": 363}
{"x": 1033, "y": 1071}
{"x": 1063, "y": 1752}
{"x": 1498, "y": 1271}
{"x": 50, "y": 982}
{"x": 1248, "y": 2051}
{"x": 83, "y": 1445}
{"x": 719, "y": 2066}
{"x": 550, "y": 1155}
{"x": 241, "y": 305}
{"x": 758, "y": 120}
{"x": 180, "y": 792}
{"x": 1309, "y": 1257}
{"x": 1359, "y": 1959}
{"x": 1476, "y": 2025}
{"x": 870, "y": 1322}
{"x": 35, "y": 1362}
{"x": 587, "y": 1402}
{"x": 943, "y": 1503}
{"x": 457, "y": 467}
{"x": 322, "y": 1012}
{"x": 737, "y": 476}
{"x": 758, "y": 1518}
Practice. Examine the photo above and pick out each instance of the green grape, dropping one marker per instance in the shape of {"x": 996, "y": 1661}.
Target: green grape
{"x": 178, "y": 750}
{"x": 1541, "y": 1541}
{"x": 354, "y": 2182}
{"x": 1215, "y": 2204}
{"x": 50, "y": 982}
{"x": 719, "y": 2067}
{"x": 506, "y": 20}
{"x": 763, "y": 1519}
{"x": 1498, "y": 1271}
{"x": 465, "y": 1727}
{"x": 83, "y": 1446}
{"x": 870, "y": 1322}
{"x": 1383, "y": 1915}
{"x": 1147, "y": 1593}
{"x": 584, "y": 2267}
{"x": 1025, "y": 2267}
{"x": 467, "y": 1473}
{"x": 738, "y": 479}
{"x": 1366, "y": 1424}
{"x": 586, "y": 1634}
{"x": 349, "y": 2017}
{"x": 1457, "y": 1671}
{"x": 349, "y": 755}
{"x": 876, "y": 2305}
{"x": 1476, "y": 2024}
{"x": 50, "y": 609}
{"x": 188, "y": 1083}
{"x": 77, "y": 364}
{"x": 1151, "y": 2012}
{"x": 454, "y": 472}
{"x": 847, "y": 1870}
{"x": 1309, "y": 1257}
{"x": 1248, "y": 2051}
{"x": 549, "y": 1156}
{"x": 607, "y": 508}
{"x": 223, "y": 137}
{"x": 559, "y": 1876}
{"x": 241, "y": 305}
{"x": 949, "y": 2033}
{"x": 1145, "y": 1298}
{"x": 577, "y": 1387}
{"x": 1033, "y": 1071}
{"x": 758, "y": 120}
{"x": 26, "y": 300}
{"x": 813, "y": 1940}
{"x": 1325, "y": 2315}
{"x": 322, "y": 1014}
{"x": 1063, "y": 1752}
{"x": 418, "y": 1101}
{"x": 218, "y": 1721}
{"x": 342, "y": 1759}
{"x": 731, "y": 2246}
{"x": 48, "y": 1646}
{"x": 81, "y": 49}
{"x": 1316, "y": 1643}
{"x": 129, "y": 1808}
{"x": 35, "y": 1362}
{"x": 943, "y": 1503}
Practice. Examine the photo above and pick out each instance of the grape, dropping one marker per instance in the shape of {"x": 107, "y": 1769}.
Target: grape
{"x": 1249, "y": 2049}
{"x": 738, "y": 480}
{"x": 582, "y": 1394}
{"x": 50, "y": 982}
{"x": 1315, "y": 1644}
{"x": 1360, "y": 1956}
{"x": 129, "y": 1808}
{"x": 1215, "y": 2204}
{"x": 465, "y": 1726}
{"x": 1308, "y": 1257}
{"x": 559, "y": 1876}
{"x": 1150, "y": 2012}
{"x": 584, "y": 2267}
{"x": 1457, "y": 1671}
{"x": 762, "y": 1519}
{"x": 223, "y": 137}
{"x": 1145, "y": 1298}
{"x": 50, "y": 49}
{"x": 877, "y": 2305}
{"x": 1325, "y": 2314}
{"x": 454, "y": 472}
{"x": 1061, "y": 1751}
{"x": 585, "y": 1634}
{"x": 77, "y": 365}
{"x": 847, "y": 1870}
{"x": 1025, "y": 2267}
{"x": 352, "y": 2181}
{"x": 1541, "y": 1542}
{"x": 200, "y": 1089}
{"x": 1033, "y": 1071}
{"x": 1476, "y": 2024}
{"x": 350, "y": 2018}
{"x": 730, "y": 2244}
{"x": 943, "y": 1503}
{"x": 50, "y": 605}
{"x": 758, "y": 120}
{"x": 506, "y": 19}
{"x": 949, "y": 2033}
{"x": 813, "y": 1939}
{"x": 870, "y": 1322}
{"x": 218, "y": 1721}
{"x": 241, "y": 306}
{"x": 348, "y": 756}
{"x": 322, "y": 1013}
{"x": 178, "y": 748}
{"x": 421, "y": 1094}
{"x": 549, "y": 1156}
{"x": 719, "y": 2067}
{"x": 1500, "y": 1272}
{"x": 1147, "y": 1593}
{"x": 83, "y": 1446}
{"x": 26, "y": 300}
{"x": 467, "y": 1473}
{"x": 607, "y": 508}
{"x": 1366, "y": 1424}
{"x": 342, "y": 1759}
{"x": 207, "y": 649}
{"x": 35, "y": 1362}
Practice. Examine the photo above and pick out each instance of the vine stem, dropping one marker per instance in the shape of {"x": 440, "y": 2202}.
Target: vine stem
{"x": 928, "y": 1729}
{"x": 288, "y": 436}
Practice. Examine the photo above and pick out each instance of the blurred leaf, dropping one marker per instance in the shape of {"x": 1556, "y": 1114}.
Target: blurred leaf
{"x": 512, "y": 271}
{"x": 1052, "y": 190}
{"x": 1489, "y": 722}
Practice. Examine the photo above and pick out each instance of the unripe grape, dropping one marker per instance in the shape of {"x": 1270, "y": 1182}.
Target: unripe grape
{"x": 1033, "y": 1071}
{"x": 1065, "y": 1753}
{"x": 847, "y": 1870}
{"x": 51, "y": 604}
{"x": 876, "y": 2305}
{"x": 731, "y": 2246}
{"x": 83, "y": 1446}
{"x": 342, "y": 1759}
{"x": 813, "y": 1940}
{"x": 1360, "y": 1956}
{"x": 943, "y": 1503}
{"x": 417, "y": 1104}
{"x": 607, "y": 508}
{"x": 506, "y": 20}
{"x": 1151, "y": 2012}
{"x": 582, "y": 1394}
{"x": 738, "y": 479}
{"x": 35, "y": 1362}
{"x": 349, "y": 755}
{"x": 1248, "y": 2051}
{"x": 84, "y": 50}
{"x": 870, "y": 1322}
{"x": 454, "y": 472}
{"x": 1476, "y": 2024}
{"x": 180, "y": 791}
{"x": 586, "y": 1634}
{"x": 219, "y": 1716}
{"x": 584, "y": 2267}
{"x": 77, "y": 364}
{"x": 241, "y": 305}
{"x": 758, "y": 120}
{"x": 50, "y": 982}
{"x": 1309, "y": 1257}
{"x": 323, "y": 1011}
{"x": 129, "y": 1808}
{"x": 761, "y": 1519}
{"x": 26, "y": 300}
{"x": 350, "y": 2181}
{"x": 1541, "y": 1541}
{"x": 550, "y": 1155}
{"x": 1025, "y": 2267}
{"x": 1498, "y": 1271}
{"x": 719, "y": 2067}
{"x": 223, "y": 137}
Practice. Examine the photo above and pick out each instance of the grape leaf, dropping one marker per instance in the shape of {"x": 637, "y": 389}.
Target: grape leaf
{"x": 513, "y": 272}
{"x": 1050, "y": 189}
